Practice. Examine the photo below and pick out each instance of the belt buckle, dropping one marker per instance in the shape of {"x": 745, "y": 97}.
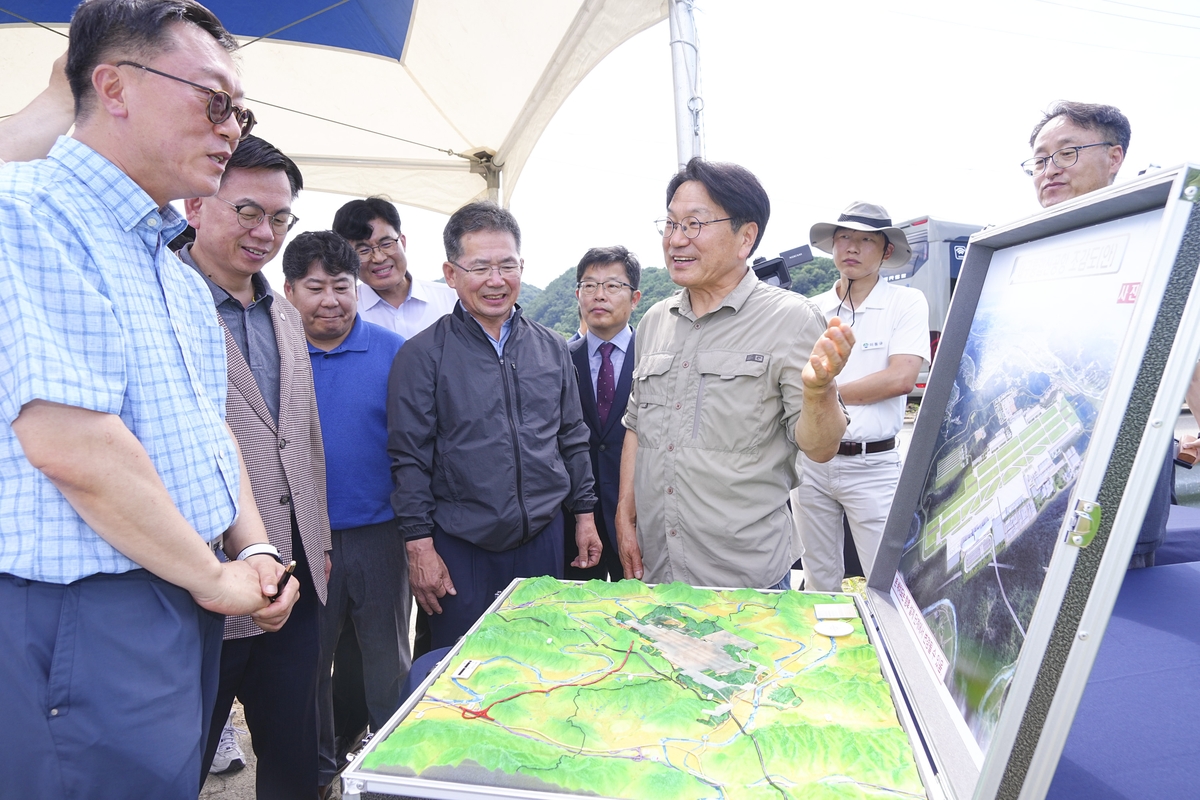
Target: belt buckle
{"x": 216, "y": 545}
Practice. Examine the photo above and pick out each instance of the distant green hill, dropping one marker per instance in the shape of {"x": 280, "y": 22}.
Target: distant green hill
{"x": 555, "y": 306}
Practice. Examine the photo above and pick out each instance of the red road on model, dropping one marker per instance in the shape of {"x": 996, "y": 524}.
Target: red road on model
{"x": 483, "y": 712}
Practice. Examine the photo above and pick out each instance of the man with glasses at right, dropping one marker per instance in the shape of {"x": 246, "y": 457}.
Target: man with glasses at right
{"x": 1078, "y": 148}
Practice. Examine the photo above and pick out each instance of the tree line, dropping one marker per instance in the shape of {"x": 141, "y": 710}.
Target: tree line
{"x": 555, "y": 306}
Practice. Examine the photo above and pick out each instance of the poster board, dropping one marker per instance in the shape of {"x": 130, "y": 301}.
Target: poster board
{"x": 1071, "y": 338}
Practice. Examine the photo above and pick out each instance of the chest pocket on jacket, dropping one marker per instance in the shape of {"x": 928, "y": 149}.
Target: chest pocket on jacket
{"x": 652, "y": 381}
{"x": 729, "y": 400}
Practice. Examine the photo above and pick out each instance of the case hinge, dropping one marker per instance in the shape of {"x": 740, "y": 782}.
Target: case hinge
{"x": 1087, "y": 522}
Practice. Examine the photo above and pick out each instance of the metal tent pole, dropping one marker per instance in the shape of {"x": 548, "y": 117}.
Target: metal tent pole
{"x": 685, "y": 68}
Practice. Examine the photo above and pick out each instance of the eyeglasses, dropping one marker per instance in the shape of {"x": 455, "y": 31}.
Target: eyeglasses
{"x": 220, "y": 104}
{"x": 250, "y": 216}
{"x": 385, "y": 246}
{"x": 610, "y": 287}
{"x": 507, "y": 269}
{"x": 1061, "y": 158}
{"x": 690, "y": 226}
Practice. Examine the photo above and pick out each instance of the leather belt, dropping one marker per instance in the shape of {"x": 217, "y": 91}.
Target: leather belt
{"x": 857, "y": 448}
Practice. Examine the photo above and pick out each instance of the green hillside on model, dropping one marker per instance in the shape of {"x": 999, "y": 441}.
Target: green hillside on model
{"x": 625, "y": 690}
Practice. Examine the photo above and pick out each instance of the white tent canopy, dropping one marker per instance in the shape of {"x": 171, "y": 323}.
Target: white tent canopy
{"x": 459, "y": 112}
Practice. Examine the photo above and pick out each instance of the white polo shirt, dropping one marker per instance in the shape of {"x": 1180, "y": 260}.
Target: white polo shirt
{"x": 893, "y": 320}
{"x": 427, "y": 302}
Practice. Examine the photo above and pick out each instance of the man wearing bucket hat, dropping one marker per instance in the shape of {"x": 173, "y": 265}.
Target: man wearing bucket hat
{"x": 891, "y": 328}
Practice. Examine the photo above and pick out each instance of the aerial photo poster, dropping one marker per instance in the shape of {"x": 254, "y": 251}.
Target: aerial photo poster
{"x": 624, "y": 690}
{"x": 1047, "y": 329}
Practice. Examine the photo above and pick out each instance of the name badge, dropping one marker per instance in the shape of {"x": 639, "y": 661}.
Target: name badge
{"x": 873, "y": 345}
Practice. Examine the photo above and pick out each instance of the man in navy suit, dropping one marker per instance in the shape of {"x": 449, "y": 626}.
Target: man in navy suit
{"x": 607, "y": 280}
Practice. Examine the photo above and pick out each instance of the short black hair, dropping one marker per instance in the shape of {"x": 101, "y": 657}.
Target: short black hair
{"x": 482, "y": 215}
{"x": 1108, "y": 121}
{"x": 255, "y": 153}
{"x": 105, "y": 29}
{"x": 599, "y": 256}
{"x": 335, "y": 255}
{"x": 732, "y": 187}
{"x": 353, "y": 220}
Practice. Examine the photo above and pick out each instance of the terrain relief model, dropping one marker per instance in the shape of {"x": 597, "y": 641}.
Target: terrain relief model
{"x": 627, "y": 691}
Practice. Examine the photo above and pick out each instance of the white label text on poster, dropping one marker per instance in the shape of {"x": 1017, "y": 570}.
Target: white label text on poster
{"x": 920, "y": 629}
{"x": 1081, "y": 260}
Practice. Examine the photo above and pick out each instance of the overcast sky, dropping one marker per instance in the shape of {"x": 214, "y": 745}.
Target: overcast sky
{"x": 925, "y": 110}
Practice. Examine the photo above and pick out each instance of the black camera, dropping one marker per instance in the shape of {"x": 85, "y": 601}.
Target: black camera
{"x": 776, "y": 271}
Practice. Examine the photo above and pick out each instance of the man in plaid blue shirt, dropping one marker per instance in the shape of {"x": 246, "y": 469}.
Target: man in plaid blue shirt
{"x": 117, "y": 472}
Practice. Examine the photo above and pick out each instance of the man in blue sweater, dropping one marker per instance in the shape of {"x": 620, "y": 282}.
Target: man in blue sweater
{"x": 351, "y": 359}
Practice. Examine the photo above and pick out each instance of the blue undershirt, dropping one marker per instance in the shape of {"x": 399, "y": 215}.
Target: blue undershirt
{"x": 351, "y": 385}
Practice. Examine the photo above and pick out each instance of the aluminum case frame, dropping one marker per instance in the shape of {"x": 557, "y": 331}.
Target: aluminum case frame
{"x": 1133, "y": 428}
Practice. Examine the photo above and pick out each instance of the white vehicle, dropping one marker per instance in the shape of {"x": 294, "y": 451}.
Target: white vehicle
{"x": 938, "y": 248}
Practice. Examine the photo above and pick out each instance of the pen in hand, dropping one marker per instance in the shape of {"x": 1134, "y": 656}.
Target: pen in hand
{"x": 287, "y": 574}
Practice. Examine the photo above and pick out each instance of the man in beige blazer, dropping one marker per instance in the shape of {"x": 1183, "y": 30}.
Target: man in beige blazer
{"x": 272, "y": 410}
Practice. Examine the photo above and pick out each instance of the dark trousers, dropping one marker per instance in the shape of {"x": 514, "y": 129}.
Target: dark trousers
{"x": 369, "y": 584}
{"x": 479, "y": 575}
{"x": 274, "y": 675}
{"x": 350, "y": 716}
{"x": 106, "y": 687}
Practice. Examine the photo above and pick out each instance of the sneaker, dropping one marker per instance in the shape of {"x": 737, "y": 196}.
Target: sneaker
{"x": 229, "y": 757}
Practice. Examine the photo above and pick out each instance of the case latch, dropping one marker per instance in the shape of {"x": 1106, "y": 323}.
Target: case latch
{"x": 1087, "y": 522}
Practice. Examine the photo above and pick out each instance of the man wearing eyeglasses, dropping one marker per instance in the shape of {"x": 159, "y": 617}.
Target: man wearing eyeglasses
{"x": 120, "y": 476}
{"x": 389, "y": 295}
{"x": 1078, "y": 148}
{"x": 607, "y": 280}
{"x": 732, "y": 376}
{"x": 486, "y": 435}
{"x": 273, "y": 412}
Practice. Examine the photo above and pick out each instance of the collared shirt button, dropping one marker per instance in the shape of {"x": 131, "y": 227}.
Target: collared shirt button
{"x": 673, "y": 532}
{"x": 685, "y": 365}
{"x": 696, "y": 326}
{"x": 54, "y": 712}
{"x": 670, "y": 447}
{"x": 678, "y": 405}
{"x": 152, "y": 222}
{"x": 670, "y": 490}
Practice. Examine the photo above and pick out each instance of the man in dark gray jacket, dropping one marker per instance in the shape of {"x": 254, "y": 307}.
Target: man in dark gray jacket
{"x": 486, "y": 435}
